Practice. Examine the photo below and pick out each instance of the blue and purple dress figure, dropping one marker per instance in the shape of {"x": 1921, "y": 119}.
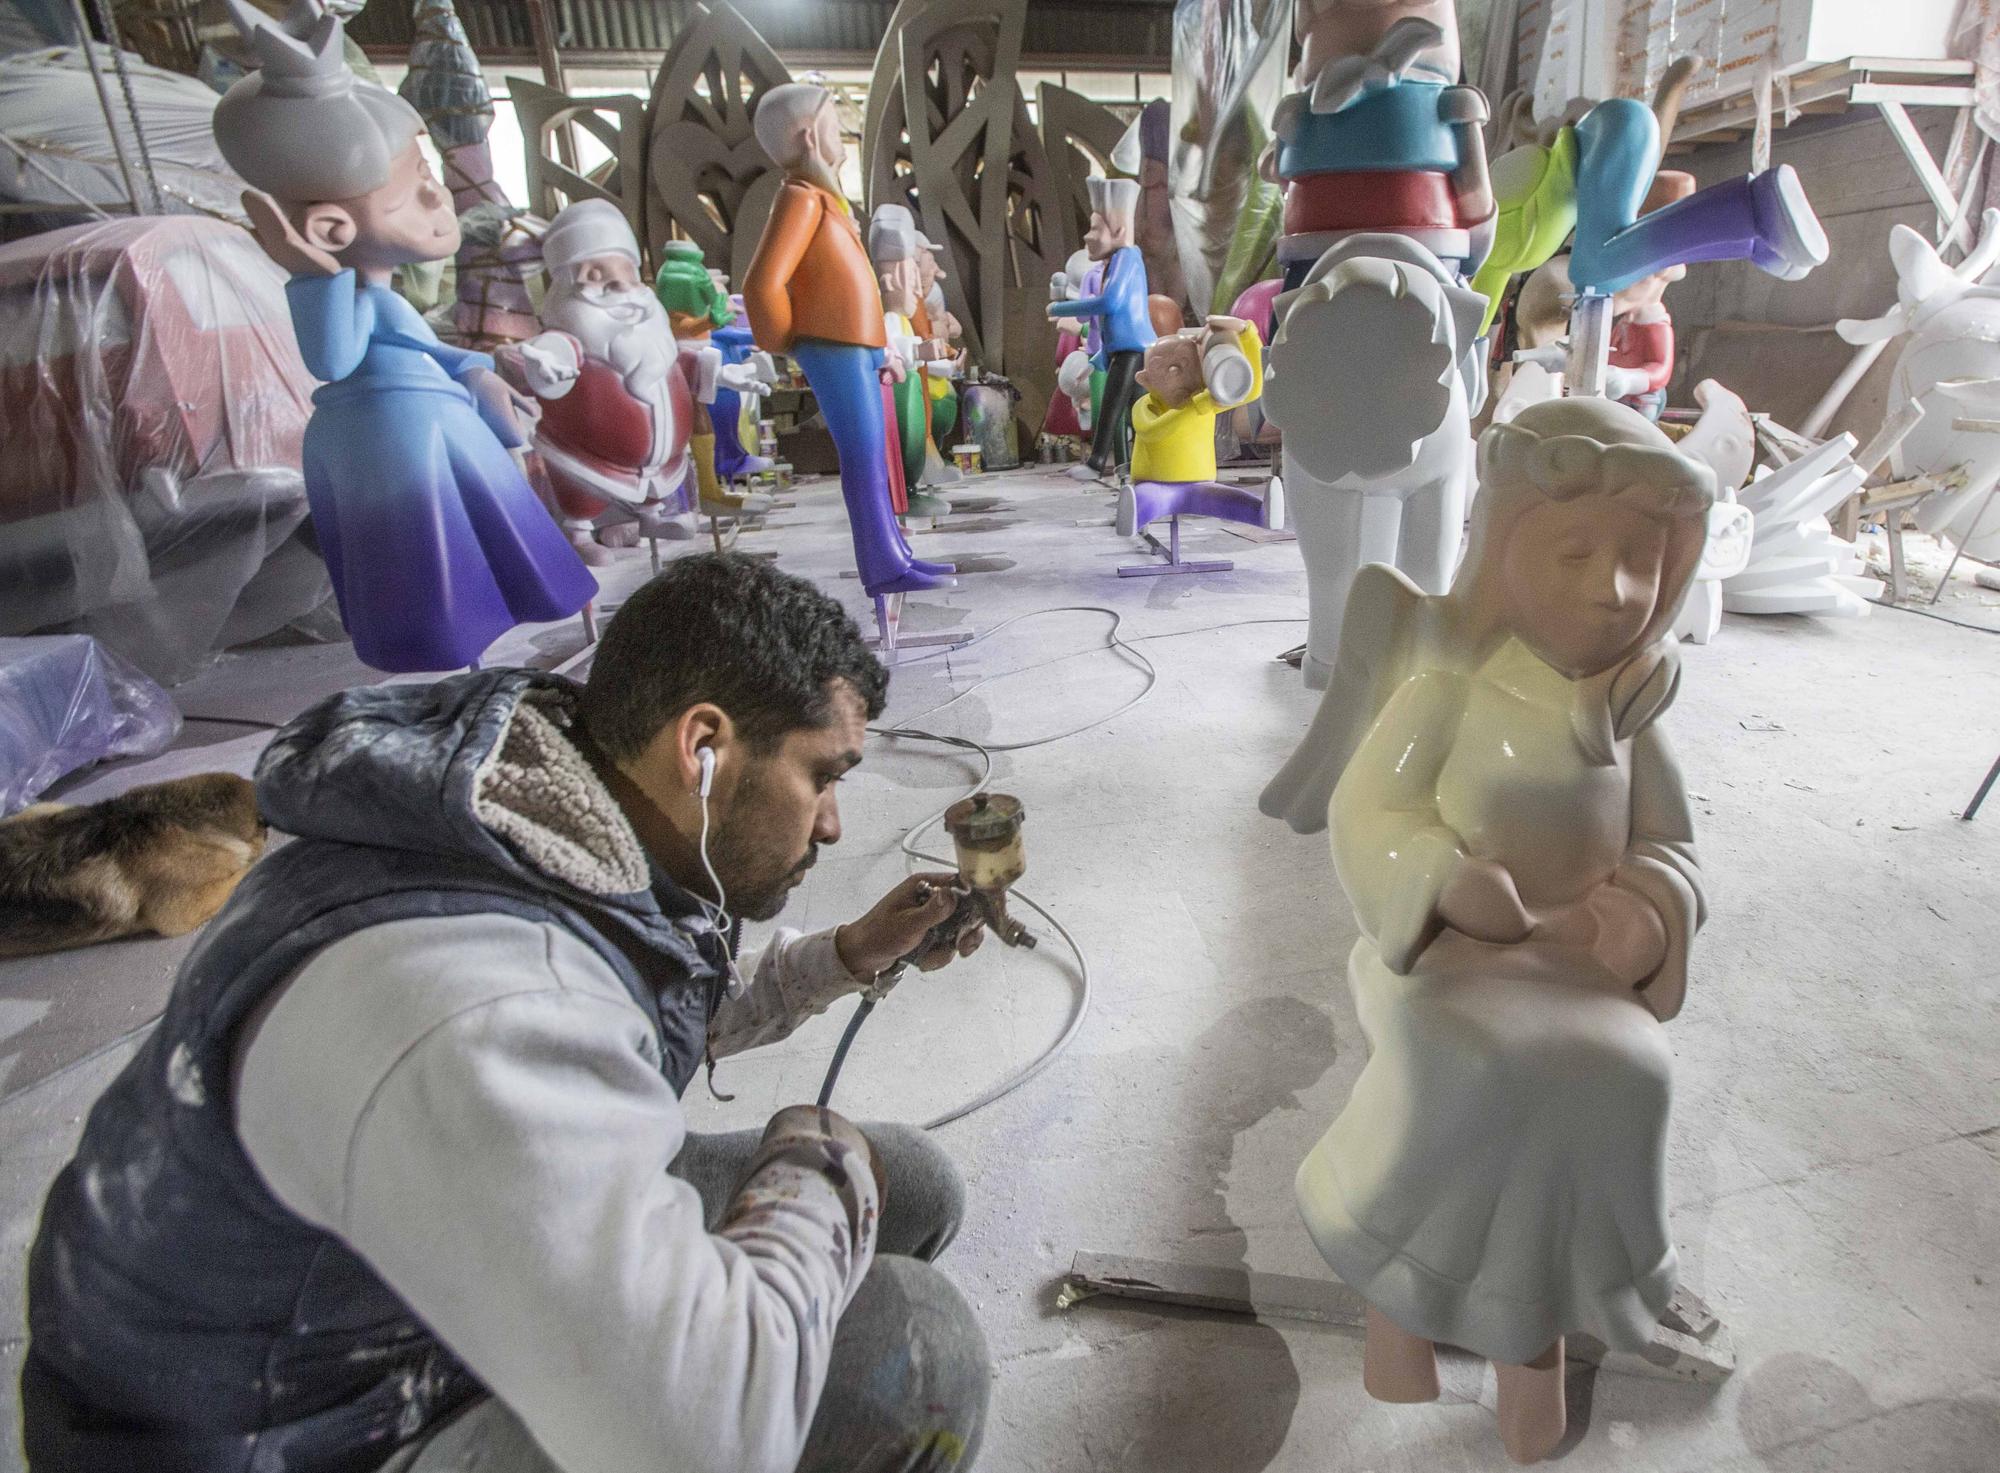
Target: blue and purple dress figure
{"x": 435, "y": 542}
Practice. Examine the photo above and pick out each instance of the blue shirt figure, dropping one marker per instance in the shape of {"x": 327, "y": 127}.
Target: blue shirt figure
{"x": 435, "y": 542}
{"x": 1120, "y": 305}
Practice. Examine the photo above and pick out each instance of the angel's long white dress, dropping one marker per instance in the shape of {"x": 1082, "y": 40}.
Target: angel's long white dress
{"x": 1497, "y": 1178}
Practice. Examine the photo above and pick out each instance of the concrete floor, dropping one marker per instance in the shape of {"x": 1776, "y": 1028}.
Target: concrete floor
{"x": 1836, "y": 1145}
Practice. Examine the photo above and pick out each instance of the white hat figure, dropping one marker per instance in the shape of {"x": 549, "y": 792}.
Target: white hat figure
{"x": 892, "y": 235}
{"x": 587, "y": 229}
{"x": 1113, "y": 198}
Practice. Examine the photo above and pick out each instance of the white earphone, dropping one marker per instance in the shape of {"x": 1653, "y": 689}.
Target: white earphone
{"x": 706, "y": 757}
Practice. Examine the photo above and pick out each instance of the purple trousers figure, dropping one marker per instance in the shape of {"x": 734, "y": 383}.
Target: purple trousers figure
{"x": 1146, "y": 502}
{"x": 846, "y": 380}
{"x": 1763, "y": 218}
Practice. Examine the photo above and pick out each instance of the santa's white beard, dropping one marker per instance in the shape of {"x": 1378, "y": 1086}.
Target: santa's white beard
{"x": 627, "y": 330}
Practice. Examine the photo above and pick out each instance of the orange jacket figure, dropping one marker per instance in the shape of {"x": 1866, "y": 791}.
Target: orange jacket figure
{"x": 811, "y": 293}
{"x": 811, "y": 277}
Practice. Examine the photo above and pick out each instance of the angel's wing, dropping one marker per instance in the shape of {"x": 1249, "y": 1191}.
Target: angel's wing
{"x": 1373, "y": 639}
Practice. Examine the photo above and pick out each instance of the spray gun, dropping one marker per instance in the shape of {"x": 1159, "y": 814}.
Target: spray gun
{"x": 985, "y": 830}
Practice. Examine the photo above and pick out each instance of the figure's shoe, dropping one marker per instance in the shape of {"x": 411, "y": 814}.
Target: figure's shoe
{"x": 665, "y": 521}
{"x": 1274, "y": 505}
{"x": 1127, "y": 522}
{"x": 620, "y": 534}
{"x": 914, "y": 581}
{"x": 1085, "y": 472}
{"x": 733, "y": 504}
{"x": 583, "y": 538}
{"x": 1792, "y": 243}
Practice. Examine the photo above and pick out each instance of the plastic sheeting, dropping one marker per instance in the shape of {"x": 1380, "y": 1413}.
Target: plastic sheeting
{"x": 1229, "y": 74}
{"x": 66, "y": 702}
{"x": 49, "y": 112}
{"x": 150, "y": 491}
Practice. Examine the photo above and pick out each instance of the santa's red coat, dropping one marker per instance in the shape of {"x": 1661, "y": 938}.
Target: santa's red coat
{"x": 600, "y": 432}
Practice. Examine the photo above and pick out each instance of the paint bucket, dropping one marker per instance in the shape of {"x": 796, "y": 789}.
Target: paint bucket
{"x": 987, "y": 408}
{"x": 968, "y": 458}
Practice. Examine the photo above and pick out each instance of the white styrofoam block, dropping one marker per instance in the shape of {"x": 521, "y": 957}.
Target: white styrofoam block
{"x": 1909, "y": 28}
{"x": 1577, "y": 48}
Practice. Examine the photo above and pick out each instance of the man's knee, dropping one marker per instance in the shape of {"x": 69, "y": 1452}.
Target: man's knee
{"x": 926, "y": 1200}
{"x": 908, "y": 1387}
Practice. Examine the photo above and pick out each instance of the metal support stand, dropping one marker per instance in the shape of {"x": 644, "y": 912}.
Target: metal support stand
{"x": 1172, "y": 554}
{"x": 589, "y": 618}
{"x": 104, "y": 102}
{"x": 1979, "y": 798}
{"x": 1589, "y": 346}
{"x": 889, "y": 638}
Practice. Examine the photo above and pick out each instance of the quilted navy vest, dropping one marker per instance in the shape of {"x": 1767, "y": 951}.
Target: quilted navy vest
{"x": 182, "y": 1319}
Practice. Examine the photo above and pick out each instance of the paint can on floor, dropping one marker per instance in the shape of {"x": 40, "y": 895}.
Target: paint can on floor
{"x": 969, "y": 459}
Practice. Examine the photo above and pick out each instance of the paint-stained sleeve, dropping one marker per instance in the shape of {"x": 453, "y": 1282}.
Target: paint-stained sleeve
{"x": 794, "y": 978}
{"x": 493, "y": 1137}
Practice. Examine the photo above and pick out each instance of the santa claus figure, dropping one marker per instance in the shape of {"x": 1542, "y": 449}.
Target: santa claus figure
{"x": 1642, "y": 334}
{"x": 617, "y": 403}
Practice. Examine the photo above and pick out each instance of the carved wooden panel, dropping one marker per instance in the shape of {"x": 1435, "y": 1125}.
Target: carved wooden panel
{"x": 706, "y": 172}
{"x": 1076, "y": 133}
{"x": 948, "y": 134}
{"x": 616, "y": 122}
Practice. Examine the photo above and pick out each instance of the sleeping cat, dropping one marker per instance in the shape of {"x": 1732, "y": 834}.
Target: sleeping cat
{"x": 161, "y": 858}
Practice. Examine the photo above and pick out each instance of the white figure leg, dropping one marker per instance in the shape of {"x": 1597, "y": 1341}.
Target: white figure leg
{"x": 1701, "y": 616}
{"x": 1330, "y": 527}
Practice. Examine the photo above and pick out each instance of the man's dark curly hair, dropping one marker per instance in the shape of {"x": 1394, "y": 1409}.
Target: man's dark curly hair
{"x": 721, "y": 627}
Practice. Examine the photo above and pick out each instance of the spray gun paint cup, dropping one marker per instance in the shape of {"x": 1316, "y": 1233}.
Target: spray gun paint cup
{"x": 985, "y": 830}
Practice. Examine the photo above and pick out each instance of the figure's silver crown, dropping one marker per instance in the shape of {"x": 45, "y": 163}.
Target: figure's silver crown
{"x": 302, "y": 56}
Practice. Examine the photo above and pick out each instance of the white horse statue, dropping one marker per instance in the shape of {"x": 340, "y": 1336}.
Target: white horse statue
{"x": 1950, "y": 368}
{"x": 1375, "y": 369}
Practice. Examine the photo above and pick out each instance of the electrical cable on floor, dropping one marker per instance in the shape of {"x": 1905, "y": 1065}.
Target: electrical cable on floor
{"x": 905, "y": 731}
{"x": 1115, "y": 642}
{"x": 1939, "y": 618}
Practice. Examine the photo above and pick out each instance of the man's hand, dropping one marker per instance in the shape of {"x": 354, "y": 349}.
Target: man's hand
{"x": 810, "y": 1124}
{"x": 900, "y": 923}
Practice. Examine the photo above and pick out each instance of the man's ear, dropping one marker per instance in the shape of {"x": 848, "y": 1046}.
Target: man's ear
{"x": 703, "y": 725}
{"x": 328, "y": 226}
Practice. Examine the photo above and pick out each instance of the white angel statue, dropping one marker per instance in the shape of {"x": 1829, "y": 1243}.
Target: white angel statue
{"x": 1510, "y": 825}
